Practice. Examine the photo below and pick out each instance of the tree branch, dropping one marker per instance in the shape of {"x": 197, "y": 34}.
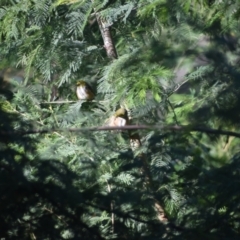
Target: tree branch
{"x": 175, "y": 128}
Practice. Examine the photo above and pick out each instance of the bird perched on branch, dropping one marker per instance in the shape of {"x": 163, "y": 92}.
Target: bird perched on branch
{"x": 119, "y": 119}
{"x": 84, "y": 91}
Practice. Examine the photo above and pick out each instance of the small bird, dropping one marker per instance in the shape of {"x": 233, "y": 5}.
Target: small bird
{"x": 119, "y": 119}
{"x": 84, "y": 91}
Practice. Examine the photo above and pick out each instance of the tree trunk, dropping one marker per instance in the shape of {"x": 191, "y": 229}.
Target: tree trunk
{"x": 135, "y": 141}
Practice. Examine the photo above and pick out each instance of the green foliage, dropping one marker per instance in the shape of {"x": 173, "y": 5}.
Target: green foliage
{"x": 177, "y": 64}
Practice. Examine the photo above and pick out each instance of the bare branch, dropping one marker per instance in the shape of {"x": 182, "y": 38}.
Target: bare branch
{"x": 58, "y": 102}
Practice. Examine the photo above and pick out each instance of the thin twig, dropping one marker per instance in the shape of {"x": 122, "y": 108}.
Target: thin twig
{"x": 63, "y": 137}
{"x": 63, "y": 102}
{"x": 58, "y": 102}
{"x": 112, "y": 207}
{"x": 174, "y": 114}
{"x": 177, "y": 87}
{"x": 177, "y": 128}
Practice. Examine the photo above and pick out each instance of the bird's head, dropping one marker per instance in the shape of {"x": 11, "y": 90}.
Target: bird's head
{"x": 121, "y": 112}
{"x": 81, "y": 83}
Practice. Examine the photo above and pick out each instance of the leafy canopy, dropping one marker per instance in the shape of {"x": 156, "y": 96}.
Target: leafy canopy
{"x": 177, "y": 65}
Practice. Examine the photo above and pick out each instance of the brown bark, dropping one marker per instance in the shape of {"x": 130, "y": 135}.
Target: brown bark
{"x": 107, "y": 38}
